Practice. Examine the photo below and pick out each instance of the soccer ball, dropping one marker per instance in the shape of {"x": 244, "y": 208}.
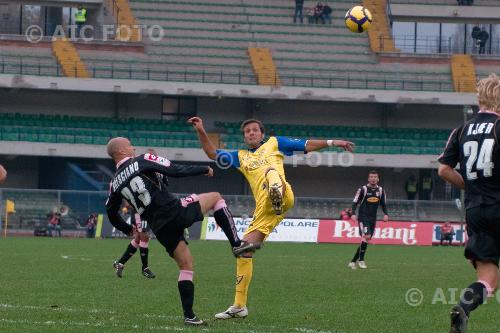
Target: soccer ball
{"x": 358, "y": 19}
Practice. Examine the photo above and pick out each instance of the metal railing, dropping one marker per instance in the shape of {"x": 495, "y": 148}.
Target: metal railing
{"x": 445, "y": 2}
{"x": 436, "y": 45}
{"x": 131, "y": 70}
{"x": 33, "y": 206}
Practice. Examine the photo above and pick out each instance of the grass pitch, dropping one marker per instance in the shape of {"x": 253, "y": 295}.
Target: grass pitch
{"x": 68, "y": 285}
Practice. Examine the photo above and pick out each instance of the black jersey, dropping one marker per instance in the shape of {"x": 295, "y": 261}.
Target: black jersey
{"x": 139, "y": 181}
{"x": 369, "y": 198}
{"x": 476, "y": 147}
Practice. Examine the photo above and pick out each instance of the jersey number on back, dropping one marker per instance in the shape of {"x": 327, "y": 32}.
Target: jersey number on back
{"x": 137, "y": 185}
{"x": 483, "y": 160}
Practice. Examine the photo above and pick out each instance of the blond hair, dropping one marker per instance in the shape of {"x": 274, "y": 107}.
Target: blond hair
{"x": 488, "y": 93}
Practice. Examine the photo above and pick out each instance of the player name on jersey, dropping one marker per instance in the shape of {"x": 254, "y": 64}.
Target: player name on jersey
{"x": 124, "y": 175}
{"x": 479, "y": 128}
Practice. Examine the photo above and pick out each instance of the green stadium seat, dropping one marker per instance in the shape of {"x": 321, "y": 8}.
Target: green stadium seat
{"x": 140, "y": 142}
{"x": 32, "y": 137}
{"x": 83, "y": 139}
{"x": 392, "y": 150}
{"x": 10, "y": 136}
{"x": 410, "y": 150}
{"x": 155, "y": 142}
{"x": 375, "y": 150}
{"x": 46, "y": 137}
{"x": 100, "y": 140}
{"x": 66, "y": 138}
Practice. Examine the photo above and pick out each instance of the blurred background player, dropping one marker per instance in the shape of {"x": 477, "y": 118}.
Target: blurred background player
{"x": 368, "y": 197}
{"x": 262, "y": 166}
{"x": 475, "y": 145}
{"x": 140, "y": 241}
{"x": 136, "y": 181}
{"x": 91, "y": 224}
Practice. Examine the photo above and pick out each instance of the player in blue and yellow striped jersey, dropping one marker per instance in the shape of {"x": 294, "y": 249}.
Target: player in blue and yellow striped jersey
{"x": 262, "y": 166}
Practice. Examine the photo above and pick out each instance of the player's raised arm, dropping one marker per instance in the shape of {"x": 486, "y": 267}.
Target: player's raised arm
{"x": 3, "y": 174}
{"x": 163, "y": 165}
{"x": 207, "y": 144}
{"x": 449, "y": 159}
{"x": 313, "y": 145}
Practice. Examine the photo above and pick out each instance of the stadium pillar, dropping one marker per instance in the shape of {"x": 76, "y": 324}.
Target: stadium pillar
{"x": 54, "y": 17}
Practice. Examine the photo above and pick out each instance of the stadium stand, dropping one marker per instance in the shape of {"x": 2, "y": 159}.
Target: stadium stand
{"x": 313, "y": 55}
{"x": 92, "y": 130}
{"x": 178, "y": 134}
{"x": 206, "y": 41}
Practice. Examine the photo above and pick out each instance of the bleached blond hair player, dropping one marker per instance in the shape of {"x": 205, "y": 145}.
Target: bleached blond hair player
{"x": 476, "y": 146}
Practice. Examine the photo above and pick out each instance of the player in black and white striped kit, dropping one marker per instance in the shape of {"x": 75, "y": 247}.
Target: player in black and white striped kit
{"x": 476, "y": 147}
{"x": 369, "y": 197}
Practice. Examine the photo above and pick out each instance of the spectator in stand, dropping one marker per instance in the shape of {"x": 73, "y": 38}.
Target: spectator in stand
{"x": 54, "y": 224}
{"x": 80, "y": 20}
{"x": 447, "y": 233}
{"x": 91, "y": 225}
{"x": 318, "y": 12}
{"x": 411, "y": 187}
{"x": 310, "y": 15}
{"x": 345, "y": 214}
{"x": 476, "y": 31}
{"x": 326, "y": 15}
{"x": 483, "y": 39}
{"x": 426, "y": 185}
{"x": 299, "y": 11}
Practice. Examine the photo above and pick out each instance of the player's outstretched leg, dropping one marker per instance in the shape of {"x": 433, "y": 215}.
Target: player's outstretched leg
{"x": 276, "y": 190}
{"x": 118, "y": 268}
{"x": 119, "y": 265}
{"x": 184, "y": 260}
{"x": 475, "y": 295}
{"x": 224, "y": 218}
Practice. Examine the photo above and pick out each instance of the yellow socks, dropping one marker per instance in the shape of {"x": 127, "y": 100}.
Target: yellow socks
{"x": 244, "y": 270}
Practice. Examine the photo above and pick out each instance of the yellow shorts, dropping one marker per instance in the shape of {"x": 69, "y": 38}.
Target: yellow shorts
{"x": 264, "y": 217}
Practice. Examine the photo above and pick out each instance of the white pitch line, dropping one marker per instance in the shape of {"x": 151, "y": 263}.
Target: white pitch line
{"x": 91, "y": 311}
{"x": 109, "y": 323}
